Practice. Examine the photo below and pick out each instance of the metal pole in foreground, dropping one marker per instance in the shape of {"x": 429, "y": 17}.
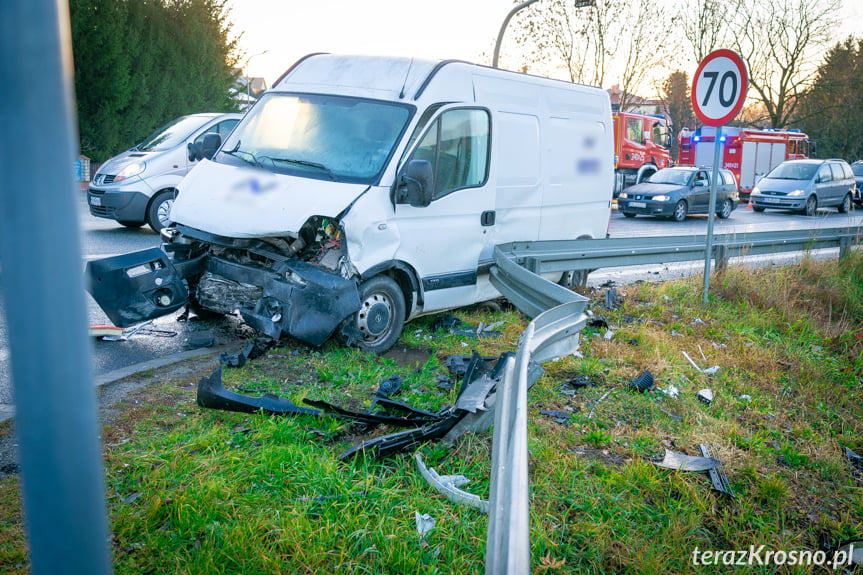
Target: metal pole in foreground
{"x": 62, "y": 482}
{"x": 711, "y": 211}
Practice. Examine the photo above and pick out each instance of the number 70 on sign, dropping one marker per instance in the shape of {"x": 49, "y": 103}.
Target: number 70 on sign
{"x": 719, "y": 87}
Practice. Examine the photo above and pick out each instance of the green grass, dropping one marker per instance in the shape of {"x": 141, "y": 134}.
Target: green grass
{"x": 232, "y": 493}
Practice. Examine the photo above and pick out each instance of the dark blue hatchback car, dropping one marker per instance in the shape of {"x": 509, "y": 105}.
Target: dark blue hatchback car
{"x": 679, "y": 191}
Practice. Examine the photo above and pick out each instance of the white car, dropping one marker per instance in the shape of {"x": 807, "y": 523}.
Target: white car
{"x": 138, "y": 186}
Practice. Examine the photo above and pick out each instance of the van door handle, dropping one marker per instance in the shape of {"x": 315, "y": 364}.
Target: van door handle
{"x": 487, "y": 218}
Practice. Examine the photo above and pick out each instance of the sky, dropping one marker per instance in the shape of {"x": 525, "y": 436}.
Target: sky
{"x": 287, "y": 30}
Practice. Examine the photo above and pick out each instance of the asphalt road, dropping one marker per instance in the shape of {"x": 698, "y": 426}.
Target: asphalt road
{"x": 102, "y": 238}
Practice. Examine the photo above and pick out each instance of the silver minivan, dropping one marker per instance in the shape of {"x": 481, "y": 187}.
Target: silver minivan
{"x": 805, "y": 186}
{"x": 138, "y": 186}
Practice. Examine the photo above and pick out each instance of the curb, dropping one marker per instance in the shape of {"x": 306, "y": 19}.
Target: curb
{"x": 7, "y": 411}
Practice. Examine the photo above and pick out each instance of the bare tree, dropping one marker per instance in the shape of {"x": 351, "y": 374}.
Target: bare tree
{"x": 612, "y": 38}
{"x": 707, "y": 24}
{"x": 779, "y": 40}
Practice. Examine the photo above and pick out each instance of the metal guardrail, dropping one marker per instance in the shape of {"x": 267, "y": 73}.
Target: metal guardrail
{"x": 551, "y": 334}
{"x": 565, "y": 255}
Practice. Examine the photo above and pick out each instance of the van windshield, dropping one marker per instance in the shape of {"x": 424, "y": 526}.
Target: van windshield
{"x": 671, "y": 176}
{"x": 317, "y": 136}
{"x": 793, "y": 171}
{"x": 173, "y": 133}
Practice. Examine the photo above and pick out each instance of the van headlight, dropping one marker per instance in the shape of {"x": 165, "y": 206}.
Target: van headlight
{"x": 797, "y": 193}
{"x": 132, "y": 169}
{"x": 623, "y": 195}
{"x": 755, "y": 190}
{"x": 659, "y": 198}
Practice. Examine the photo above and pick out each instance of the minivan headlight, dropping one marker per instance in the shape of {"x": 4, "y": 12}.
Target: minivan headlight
{"x": 797, "y": 193}
{"x": 131, "y": 170}
{"x": 755, "y": 190}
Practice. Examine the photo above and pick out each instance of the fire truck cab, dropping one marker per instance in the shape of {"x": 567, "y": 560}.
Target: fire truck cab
{"x": 748, "y": 153}
{"x": 641, "y": 147}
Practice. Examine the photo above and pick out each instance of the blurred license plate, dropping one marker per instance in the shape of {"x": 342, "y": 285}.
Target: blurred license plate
{"x": 772, "y": 200}
{"x": 94, "y": 201}
{"x": 637, "y": 205}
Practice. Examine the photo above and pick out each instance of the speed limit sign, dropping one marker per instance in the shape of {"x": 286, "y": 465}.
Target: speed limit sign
{"x": 719, "y": 87}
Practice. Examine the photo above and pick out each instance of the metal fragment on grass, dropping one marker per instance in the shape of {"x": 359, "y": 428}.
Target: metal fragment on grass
{"x": 448, "y": 486}
{"x": 425, "y": 523}
{"x": 683, "y": 462}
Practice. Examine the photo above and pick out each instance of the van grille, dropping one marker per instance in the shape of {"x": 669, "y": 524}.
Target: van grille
{"x": 104, "y": 179}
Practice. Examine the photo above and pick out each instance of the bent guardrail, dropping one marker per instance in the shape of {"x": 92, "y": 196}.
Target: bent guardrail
{"x": 566, "y": 255}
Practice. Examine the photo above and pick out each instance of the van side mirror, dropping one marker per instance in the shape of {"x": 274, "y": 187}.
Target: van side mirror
{"x": 700, "y": 183}
{"x": 210, "y": 145}
{"x": 195, "y": 151}
{"x": 416, "y": 184}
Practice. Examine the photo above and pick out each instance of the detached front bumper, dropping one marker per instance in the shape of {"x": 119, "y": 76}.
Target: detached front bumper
{"x": 645, "y": 207}
{"x": 778, "y": 202}
{"x": 296, "y": 298}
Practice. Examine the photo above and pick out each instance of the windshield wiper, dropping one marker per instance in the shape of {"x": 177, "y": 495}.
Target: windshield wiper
{"x": 305, "y": 163}
{"x": 237, "y": 151}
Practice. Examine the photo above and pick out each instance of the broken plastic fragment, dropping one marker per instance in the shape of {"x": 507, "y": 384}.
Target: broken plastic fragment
{"x": 671, "y": 391}
{"x": 705, "y": 395}
{"x": 448, "y": 486}
{"x": 683, "y": 462}
{"x": 708, "y": 371}
{"x": 643, "y": 382}
{"x": 717, "y": 474}
{"x": 425, "y": 523}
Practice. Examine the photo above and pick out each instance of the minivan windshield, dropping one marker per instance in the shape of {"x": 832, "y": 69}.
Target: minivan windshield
{"x": 173, "y": 133}
{"x": 317, "y": 136}
{"x": 671, "y": 176}
{"x": 857, "y": 169}
{"x": 793, "y": 171}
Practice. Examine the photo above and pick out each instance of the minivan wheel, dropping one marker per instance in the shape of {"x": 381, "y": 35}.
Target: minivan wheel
{"x": 680, "y": 211}
{"x": 159, "y": 212}
{"x": 381, "y": 317}
{"x": 811, "y": 206}
{"x": 727, "y": 207}
{"x": 845, "y": 206}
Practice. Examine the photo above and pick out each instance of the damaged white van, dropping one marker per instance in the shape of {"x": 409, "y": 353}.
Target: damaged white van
{"x": 361, "y": 192}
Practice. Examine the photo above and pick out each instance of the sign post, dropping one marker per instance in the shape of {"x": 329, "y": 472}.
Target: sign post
{"x": 718, "y": 91}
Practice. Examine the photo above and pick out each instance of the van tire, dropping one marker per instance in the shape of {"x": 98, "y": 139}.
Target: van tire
{"x": 811, "y": 206}
{"x": 159, "y": 210}
{"x": 381, "y": 317}
{"x": 680, "y": 211}
{"x": 845, "y": 206}
{"x": 725, "y": 211}
{"x": 131, "y": 225}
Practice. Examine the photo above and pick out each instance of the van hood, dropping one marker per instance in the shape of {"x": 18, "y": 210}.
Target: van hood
{"x": 246, "y": 202}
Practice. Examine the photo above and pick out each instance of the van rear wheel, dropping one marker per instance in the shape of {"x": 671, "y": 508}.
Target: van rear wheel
{"x": 379, "y": 322}
{"x": 845, "y": 206}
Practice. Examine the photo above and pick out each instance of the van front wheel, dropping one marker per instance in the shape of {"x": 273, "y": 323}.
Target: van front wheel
{"x": 381, "y": 317}
{"x": 159, "y": 211}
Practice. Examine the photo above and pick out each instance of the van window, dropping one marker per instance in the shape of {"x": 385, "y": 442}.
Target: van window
{"x": 824, "y": 174}
{"x": 728, "y": 178}
{"x": 222, "y": 128}
{"x": 838, "y": 172}
{"x": 634, "y": 130}
{"x": 849, "y": 173}
{"x": 456, "y": 146}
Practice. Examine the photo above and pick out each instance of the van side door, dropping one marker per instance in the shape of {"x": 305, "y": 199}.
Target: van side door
{"x": 823, "y": 187}
{"x": 445, "y": 239}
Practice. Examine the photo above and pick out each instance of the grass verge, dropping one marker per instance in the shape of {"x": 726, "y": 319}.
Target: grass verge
{"x": 198, "y": 491}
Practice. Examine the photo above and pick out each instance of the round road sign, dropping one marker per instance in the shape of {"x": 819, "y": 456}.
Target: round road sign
{"x": 719, "y": 87}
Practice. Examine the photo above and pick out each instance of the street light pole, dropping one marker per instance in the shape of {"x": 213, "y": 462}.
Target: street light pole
{"x": 578, "y": 4}
{"x": 249, "y": 79}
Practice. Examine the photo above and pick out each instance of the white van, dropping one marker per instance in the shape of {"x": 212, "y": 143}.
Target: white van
{"x": 360, "y": 192}
{"x": 138, "y": 186}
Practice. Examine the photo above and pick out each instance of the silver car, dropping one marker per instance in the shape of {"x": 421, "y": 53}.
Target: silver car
{"x": 138, "y": 186}
{"x": 804, "y": 186}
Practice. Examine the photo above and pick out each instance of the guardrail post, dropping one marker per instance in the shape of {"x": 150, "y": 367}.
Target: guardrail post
{"x": 845, "y": 244}
{"x": 720, "y": 257}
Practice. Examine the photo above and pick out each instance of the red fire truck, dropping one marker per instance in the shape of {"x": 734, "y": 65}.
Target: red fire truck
{"x": 748, "y": 153}
{"x": 641, "y": 147}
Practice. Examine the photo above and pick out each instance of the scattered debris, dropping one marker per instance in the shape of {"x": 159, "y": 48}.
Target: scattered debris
{"x": 676, "y": 418}
{"x": 561, "y": 417}
{"x": 683, "y": 462}
{"x": 458, "y": 327}
{"x": 856, "y": 463}
{"x": 671, "y": 391}
{"x": 745, "y": 397}
{"x": 232, "y": 359}
{"x": 131, "y": 498}
{"x": 106, "y": 331}
{"x": 572, "y": 386}
{"x": 717, "y": 474}
{"x": 198, "y": 339}
{"x": 643, "y": 382}
{"x": 425, "y": 523}
{"x": 598, "y": 322}
{"x": 611, "y": 299}
{"x": 458, "y": 364}
{"x": 212, "y": 394}
{"x": 444, "y": 383}
{"x": 608, "y": 334}
{"x": 697, "y": 321}
{"x": 705, "y": 395}
{"x": 600, "y": 400}
{"x": 448, "y": 486}
{"x": 708, "y": 371}
{"x": 445, "y": 321}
